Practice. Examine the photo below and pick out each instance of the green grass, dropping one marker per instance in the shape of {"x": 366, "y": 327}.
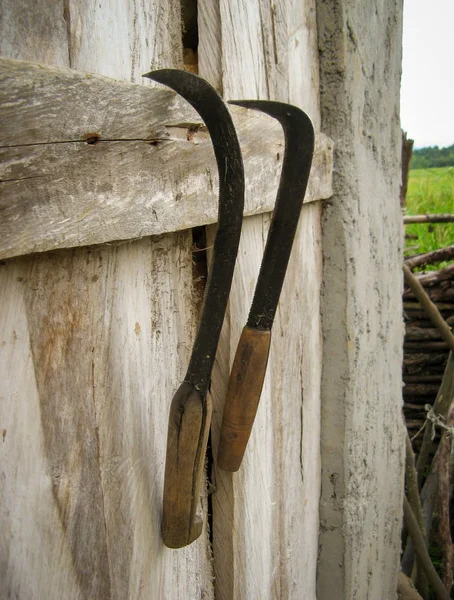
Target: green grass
{"x": 430, "y": 191}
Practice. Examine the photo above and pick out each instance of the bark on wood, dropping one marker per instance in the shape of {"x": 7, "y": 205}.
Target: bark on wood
{"x": 429, "y": 258}
{"x": 440, "y": 218}
{"x": 440, "y": 294}
{"x": 113, "y": 161}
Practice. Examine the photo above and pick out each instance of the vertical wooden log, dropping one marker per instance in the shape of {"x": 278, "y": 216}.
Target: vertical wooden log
{"x": 362, "y": 436}
{"x": 93, "y": 344}
{"x": 407, "y": 150}
{"x": 268, "y": 510}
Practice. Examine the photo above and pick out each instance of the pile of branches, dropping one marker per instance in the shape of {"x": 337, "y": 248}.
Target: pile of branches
{"x": 429, "y": 408}
{"x": 425, "y": 349}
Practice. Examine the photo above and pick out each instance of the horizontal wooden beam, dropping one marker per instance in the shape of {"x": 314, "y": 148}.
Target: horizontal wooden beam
{"x": 88, "y": 160}
{"x": 440, "y": 218}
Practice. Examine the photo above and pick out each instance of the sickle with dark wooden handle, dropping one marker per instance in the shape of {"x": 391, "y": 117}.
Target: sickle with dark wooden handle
{"x": 190, "y": 411}
{"x": 249, "y": 366}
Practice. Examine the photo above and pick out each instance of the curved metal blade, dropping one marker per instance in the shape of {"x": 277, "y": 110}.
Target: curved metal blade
{"x": 216, "y": 116}
{"x": 299, "y": 149}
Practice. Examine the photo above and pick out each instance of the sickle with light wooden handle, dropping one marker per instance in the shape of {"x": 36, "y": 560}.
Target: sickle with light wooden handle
{"x": 249, "y": 366}
{"x": 190, "y": 411}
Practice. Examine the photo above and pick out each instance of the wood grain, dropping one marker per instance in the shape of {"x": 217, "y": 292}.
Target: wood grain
{"x": 187, "y": 436}
{"x": 268, "y": 510}
{"x": 88, "y": 160}
{"x": 94, "y": 341}
{"x": 243, "y": 396}
{"x": 93, "y": 344}
{"x": 34, "y": 31}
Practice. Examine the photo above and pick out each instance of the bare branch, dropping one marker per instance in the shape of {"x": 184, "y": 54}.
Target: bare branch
{"x": 422, "y": 553}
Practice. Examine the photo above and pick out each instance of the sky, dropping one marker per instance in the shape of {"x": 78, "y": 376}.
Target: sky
{"x": 427, "y": 91}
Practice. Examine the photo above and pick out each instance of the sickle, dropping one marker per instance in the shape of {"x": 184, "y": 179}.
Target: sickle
{"x": 190, "y": 411}
{"x": 249, "y": 366}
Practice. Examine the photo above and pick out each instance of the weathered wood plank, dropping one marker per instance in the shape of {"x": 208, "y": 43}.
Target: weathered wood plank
{"x": 245, "y": 510}
{"x": 136, "y": 35}
{"x": 59, "y": 191}
{"x": 210, "y": 46}
{"x": 362, "y": 437}
{"x": 34, "y": 31}
{"x": 269, "y": 50}
{"x": 93, "y": 345}
{"x": 115, "y": 39}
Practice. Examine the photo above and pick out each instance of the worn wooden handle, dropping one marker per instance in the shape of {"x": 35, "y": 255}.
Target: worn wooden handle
{"x": 189, "y": 424}
{"x": 243, "y": 396}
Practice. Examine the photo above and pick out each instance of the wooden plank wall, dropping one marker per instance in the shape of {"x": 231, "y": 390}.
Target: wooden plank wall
{"x": 85, "y": 395}
{"x": 265, "y": 517}
{"x": 94, "y": 341}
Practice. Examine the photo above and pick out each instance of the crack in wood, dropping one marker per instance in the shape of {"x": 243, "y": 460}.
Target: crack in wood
{"x": 90, "y": 143}
{"x": 21, "y": 178}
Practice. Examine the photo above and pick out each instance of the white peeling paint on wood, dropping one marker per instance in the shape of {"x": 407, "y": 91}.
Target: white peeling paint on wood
{"x": 59, "y": 191}
{"x": 266, "y": 515}
{"x": 94, "y": 343}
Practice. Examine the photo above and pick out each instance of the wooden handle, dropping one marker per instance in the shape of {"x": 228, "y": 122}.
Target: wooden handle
{"x": 243, "y": 396}
{"x": 189, "y": 424}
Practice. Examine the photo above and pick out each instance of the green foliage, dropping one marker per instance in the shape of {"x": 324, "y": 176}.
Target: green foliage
{"x": 432, "y": 156}
{"x": 430, "y": 191}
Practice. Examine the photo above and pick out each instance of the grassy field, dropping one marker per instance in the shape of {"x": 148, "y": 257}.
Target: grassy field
{"x": 430, "y": 191}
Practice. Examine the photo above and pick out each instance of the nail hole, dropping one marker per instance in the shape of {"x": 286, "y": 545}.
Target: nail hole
{"x": 91, "y": 138}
